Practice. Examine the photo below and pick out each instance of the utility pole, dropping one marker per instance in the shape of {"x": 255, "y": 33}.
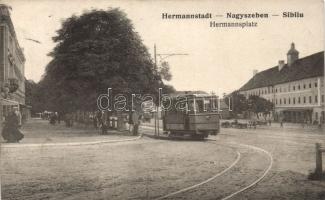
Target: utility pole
{"x": 155, "y": 54}
{"x": 156, "y": 69}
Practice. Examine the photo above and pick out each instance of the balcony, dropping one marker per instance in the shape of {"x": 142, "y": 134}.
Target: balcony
{"x": 13, "y": 85}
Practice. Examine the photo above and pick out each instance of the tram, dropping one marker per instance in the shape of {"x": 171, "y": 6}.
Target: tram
{"x": 192, "y": 114}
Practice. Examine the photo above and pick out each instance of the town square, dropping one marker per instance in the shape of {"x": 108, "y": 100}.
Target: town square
{"x": 126, "y": 100}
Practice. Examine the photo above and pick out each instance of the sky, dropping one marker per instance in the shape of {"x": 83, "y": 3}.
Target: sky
{"x": 219, "y": 59}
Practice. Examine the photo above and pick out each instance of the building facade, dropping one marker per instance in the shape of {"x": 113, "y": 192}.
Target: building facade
{"x": 296, "y": 88}
{"x": 12, "y": 66}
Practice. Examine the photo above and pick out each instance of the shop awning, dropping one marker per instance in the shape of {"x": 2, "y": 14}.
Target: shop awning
{"x": 298, "y": 110}
{"x": 8, "y": 102}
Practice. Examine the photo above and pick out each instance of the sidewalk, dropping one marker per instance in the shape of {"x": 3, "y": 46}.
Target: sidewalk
{"x": 41, "y": 132}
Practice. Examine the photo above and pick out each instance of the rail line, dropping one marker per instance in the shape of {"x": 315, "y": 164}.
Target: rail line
{"x": 266, "y": 171}
{"x": 203, "y": 182}
{"x": 257, "y": 180}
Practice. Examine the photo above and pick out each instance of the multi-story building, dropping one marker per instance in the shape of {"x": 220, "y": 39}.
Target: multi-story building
{"x": 295, "y": 88}
{"x": 12, "y": 79}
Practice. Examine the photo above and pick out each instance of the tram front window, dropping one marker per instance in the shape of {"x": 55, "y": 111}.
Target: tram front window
{"x": 196, "y": 106}
{"x": 200, "y": 106}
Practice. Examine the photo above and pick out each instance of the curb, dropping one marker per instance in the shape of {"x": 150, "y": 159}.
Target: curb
{"x": 67, "y": 143}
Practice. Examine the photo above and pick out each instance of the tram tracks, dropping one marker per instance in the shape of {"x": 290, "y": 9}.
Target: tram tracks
{"x": 197, "y": 188}
{"x": 266, "y": 171}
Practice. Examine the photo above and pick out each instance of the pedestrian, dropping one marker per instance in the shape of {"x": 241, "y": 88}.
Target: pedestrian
{"x": 10, "y": 131}
{"x": 53, "y": 118}
{"x": 270, "y": 122}
{"x": 58, "y": 117}
{"x": 136, "y": 122}
{"x": 98, "y": 118}
{"x": 104, "y": 123}
{"x": 68, "y": 119}
{"x": 281, "y": 122}
{"x": 304, "y": 122}
{"x": 94, "y": 118}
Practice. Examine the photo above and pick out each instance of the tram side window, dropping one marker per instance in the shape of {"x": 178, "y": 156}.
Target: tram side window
{"x": 191, "y": 106}
{"x": 199, "y": 106}
{"x": 213, "y": 105}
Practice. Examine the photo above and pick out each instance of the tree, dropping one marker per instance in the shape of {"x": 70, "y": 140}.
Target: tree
{"x": 237, "y": 102}
{"x": 258, "y": 105}
{"x": 164, "y": 71}
{"x": 96, "y": 51}
{"x": 34, "y": 97}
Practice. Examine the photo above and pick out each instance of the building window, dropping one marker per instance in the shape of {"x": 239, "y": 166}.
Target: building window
{"x": 309, "y": 99}
{"x": 304, "y": 86}
{"x": 289, "y": 100}
{"x": 294, "y": 100}
{"x": 280, "y": 101}
{"x": 276, "y": 101}
{"x": 298, "y": 99}
{"x": 315, "y": 84}
{"x": 294, "y": 88}
{"x": 322, "y": 98}
{"x": 276, "y": 90}
{"x": 316, "y": 115}
{"x": 298, "y": 87}
{"x": 316, "y": 100}
{"x": 284, "y": 100}
{"x": 304, "y": 99}
{"x": 309, "y": 85}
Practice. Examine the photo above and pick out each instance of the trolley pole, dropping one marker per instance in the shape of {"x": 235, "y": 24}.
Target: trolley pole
{"x": 157, "y": 106}
{"x": 156, "y": 69}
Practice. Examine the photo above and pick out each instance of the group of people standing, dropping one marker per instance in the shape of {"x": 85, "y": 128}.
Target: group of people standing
{"x": 55, "y": 118}
{"x": 104, "y": 121}
{"x": 11, "y": 126}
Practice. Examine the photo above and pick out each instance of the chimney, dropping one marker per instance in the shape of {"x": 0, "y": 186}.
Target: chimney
{"x": 281, "y": 64}
{"x": 255, "y": 71}
{"x": 292, "y": 55}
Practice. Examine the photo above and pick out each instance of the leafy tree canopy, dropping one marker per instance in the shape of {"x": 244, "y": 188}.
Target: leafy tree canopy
{"x": 258, "y": 104}
{"x": 237, "y": 101}
{"x": 95, "y": 51}
{"x": 255, "y": 104}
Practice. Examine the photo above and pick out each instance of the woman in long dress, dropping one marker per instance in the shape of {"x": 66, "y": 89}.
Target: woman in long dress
{"x": 10, "y": 131}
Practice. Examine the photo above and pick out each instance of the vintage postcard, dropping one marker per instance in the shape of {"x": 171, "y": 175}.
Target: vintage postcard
{"x": 165, "y": 99}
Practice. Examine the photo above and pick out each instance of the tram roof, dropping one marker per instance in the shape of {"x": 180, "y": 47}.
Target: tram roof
{"x": 190, "y": 94}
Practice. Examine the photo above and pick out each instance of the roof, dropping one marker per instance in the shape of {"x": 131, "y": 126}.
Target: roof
{"x": 307, "y": 67}
{"x": 189, "y": 93}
